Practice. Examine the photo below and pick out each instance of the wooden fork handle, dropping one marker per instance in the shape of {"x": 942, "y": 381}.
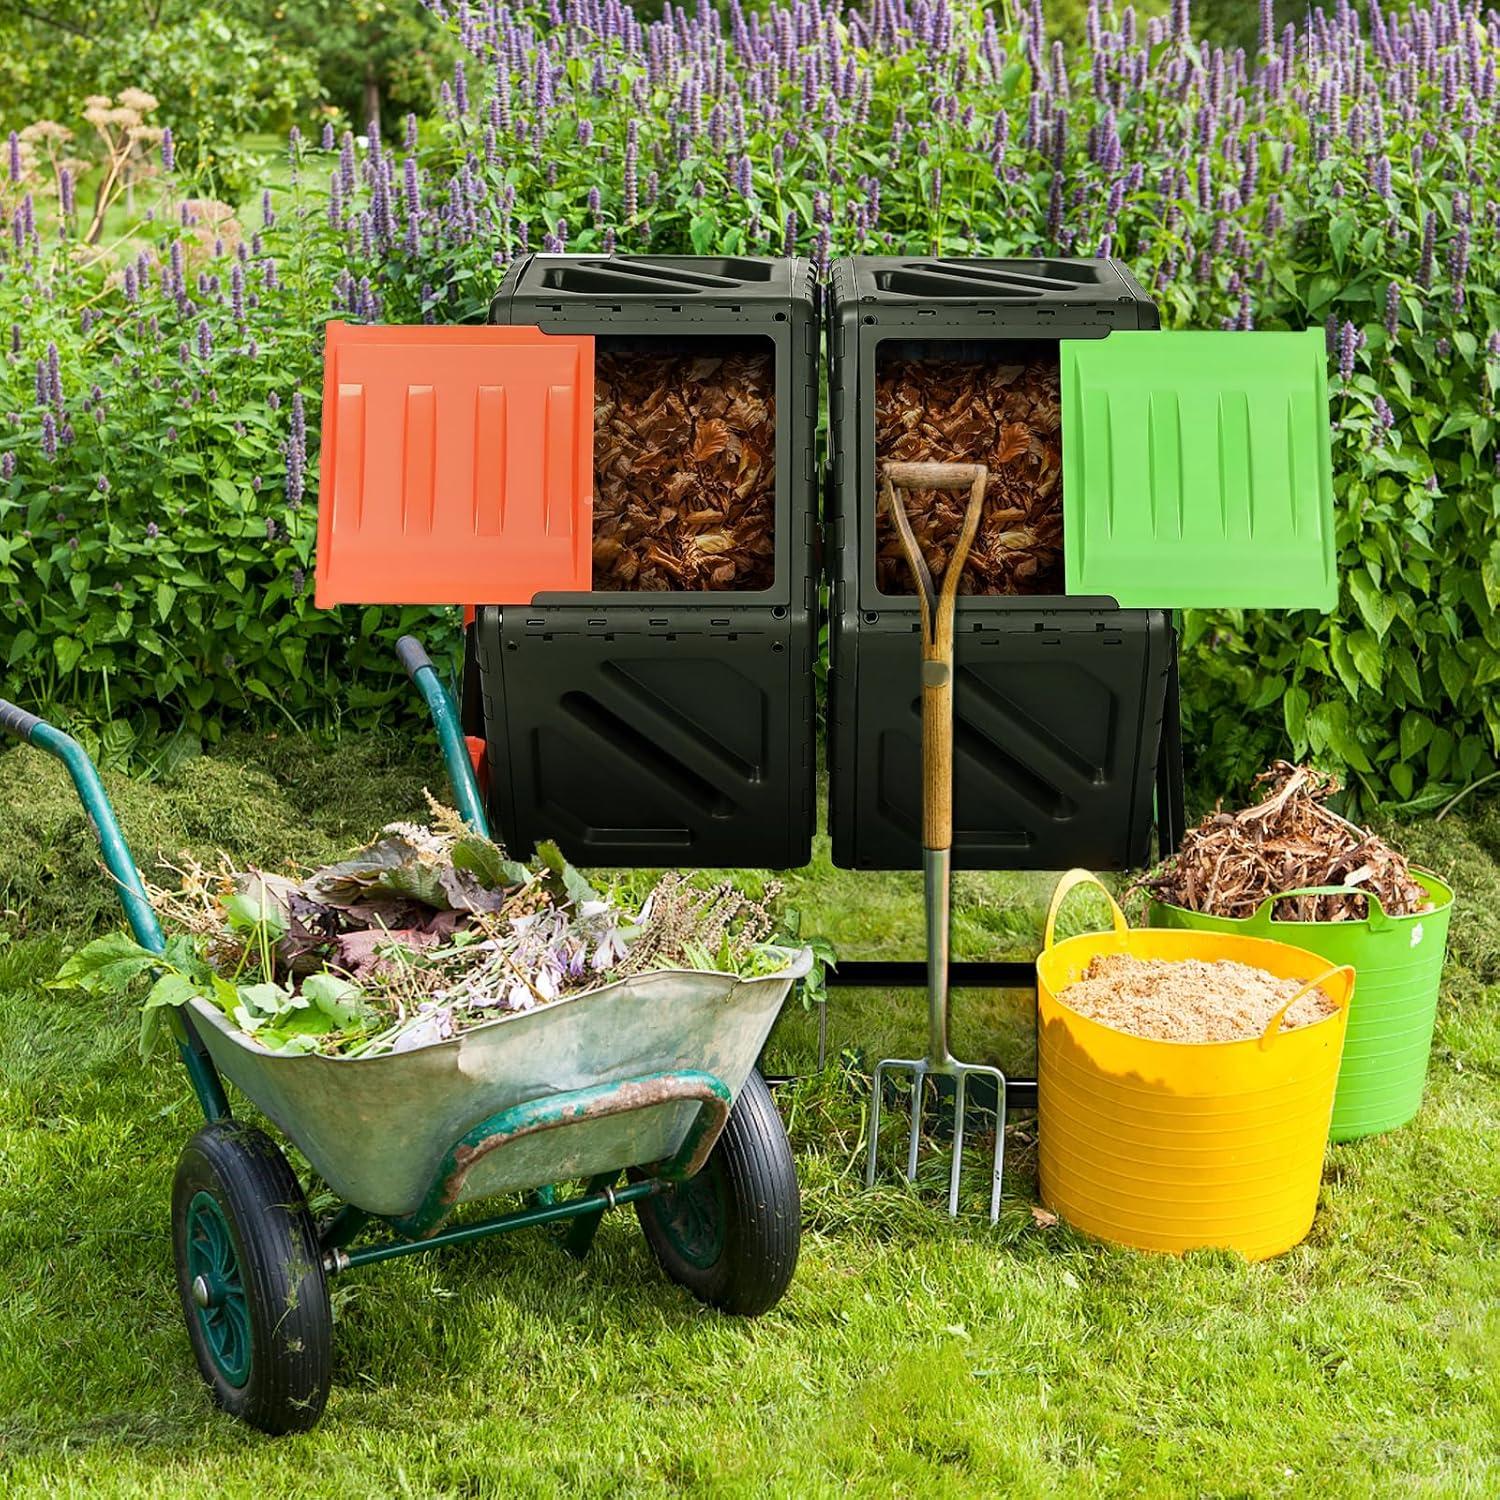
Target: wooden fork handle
{"x": 937, "y": 630}
{"x": 932, "y": 476}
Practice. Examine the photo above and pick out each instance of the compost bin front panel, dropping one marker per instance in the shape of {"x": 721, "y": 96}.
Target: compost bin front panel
{"x": 456, "y": 465}
{"x": 1057, "y": 724}
{"x": 651, "y": 745}
{"x": 1197, "y": 470}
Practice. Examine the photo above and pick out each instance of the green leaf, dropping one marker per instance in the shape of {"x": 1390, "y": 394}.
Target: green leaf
{"x": 268, "y": 999}
{"x": 704, "y": 232}
{"x": 1415, "y": 732}
{"x": 1294, "y": 714}
{"x": 68, "y": 650}
{"x": 172, "y": 990}
{"x": 338, "y": 999}
{"x": 105, "y": 966}
{"x": 1453, "y": 674}
{"x": 166, "y": 597}
{"x": 248, "y": 910}
{"x": 1376, "y": 607}
{"x": 577, "y": 888}
{"x": 1365, "y": 652}
{"x": 487, "y": 863}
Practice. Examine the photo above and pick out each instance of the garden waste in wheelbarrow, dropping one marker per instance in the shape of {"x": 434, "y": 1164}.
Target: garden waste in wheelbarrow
{"x": 651, "y": 1079}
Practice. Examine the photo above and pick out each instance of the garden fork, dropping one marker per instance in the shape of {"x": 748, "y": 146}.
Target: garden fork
{"x": 937, "y": 822}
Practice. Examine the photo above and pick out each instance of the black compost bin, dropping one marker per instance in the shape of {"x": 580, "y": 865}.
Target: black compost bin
{"x": 666, "y": 726}
{"x": 1059, "y": 701}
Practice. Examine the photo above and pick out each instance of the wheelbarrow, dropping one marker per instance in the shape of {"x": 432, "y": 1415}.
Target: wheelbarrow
{"x": 645, "y": 1091}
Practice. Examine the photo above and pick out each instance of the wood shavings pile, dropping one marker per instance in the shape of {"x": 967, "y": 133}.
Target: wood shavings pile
{"x": 684, "y": 470}
{"x": 1231, "y": 862}
{"x": 1009, "y": 418}
{"x": 1189, "y": 1000}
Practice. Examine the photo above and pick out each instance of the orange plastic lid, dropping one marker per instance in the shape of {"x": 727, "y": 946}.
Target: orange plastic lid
{"x": 457, "y": 465}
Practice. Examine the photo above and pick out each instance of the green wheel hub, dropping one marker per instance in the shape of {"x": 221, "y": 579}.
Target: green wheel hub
{"x": 218, "y": 1288}
{"x": 692, "y": 1218}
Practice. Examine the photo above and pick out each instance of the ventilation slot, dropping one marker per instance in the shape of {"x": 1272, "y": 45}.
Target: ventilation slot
{"x": 1021, "y": 280}
{"x": 646, "y": 278}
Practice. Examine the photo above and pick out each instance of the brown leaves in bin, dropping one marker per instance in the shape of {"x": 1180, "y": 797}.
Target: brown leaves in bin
{"x": 684, "y": 471}
{"x": 1005, "y": 416}
{"x": 1231, "y": 862}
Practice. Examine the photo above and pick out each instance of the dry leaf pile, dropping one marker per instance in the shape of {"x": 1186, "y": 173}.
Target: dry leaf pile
{"x": 684, "y": 470}
{"x": 1005, "y": 416}
{"x": 1231, "y": 862}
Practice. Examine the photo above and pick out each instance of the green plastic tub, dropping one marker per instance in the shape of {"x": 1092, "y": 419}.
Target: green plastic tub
{"x": 1398, "y": 963}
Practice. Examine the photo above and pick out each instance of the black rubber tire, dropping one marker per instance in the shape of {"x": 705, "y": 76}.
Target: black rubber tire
{"x": 748, "y": 1187}
{"x": 283, "y": 1293}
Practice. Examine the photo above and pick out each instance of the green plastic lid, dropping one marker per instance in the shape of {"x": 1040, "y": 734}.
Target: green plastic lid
{"x": 1197, "y": 470}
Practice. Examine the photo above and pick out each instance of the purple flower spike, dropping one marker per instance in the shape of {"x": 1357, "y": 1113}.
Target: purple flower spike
{"x": 1348, "y": 344}
{"x": 168, "y": 151}
{"x": 1429, "y": 247}
{"x": 15, "y": 157}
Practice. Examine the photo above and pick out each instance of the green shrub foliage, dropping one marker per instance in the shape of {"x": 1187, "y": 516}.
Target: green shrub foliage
{"x": 158, "y": 397}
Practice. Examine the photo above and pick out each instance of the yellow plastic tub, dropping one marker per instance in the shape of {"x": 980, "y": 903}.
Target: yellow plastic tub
{"x": 1175, "y": 1146}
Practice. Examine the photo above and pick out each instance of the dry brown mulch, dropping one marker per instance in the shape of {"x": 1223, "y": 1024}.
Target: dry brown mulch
{"x": 1232, "y": 861}
{"x": 684, "y": 471}
{"x": 1005, "y": 416}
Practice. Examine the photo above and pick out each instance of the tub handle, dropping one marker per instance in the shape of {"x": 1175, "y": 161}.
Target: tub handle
{"x": 1375, "y": 914}
{"x": 1273, "y": 1026}
{"x": 1068, "y": 882}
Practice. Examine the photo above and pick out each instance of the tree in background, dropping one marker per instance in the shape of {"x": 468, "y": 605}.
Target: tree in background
{"x": 373, "y": 59}
{"x": 218, "y": 71}
{"x": 222, "y": 71}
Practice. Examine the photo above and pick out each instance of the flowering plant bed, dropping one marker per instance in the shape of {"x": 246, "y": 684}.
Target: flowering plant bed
{"x": 685, "y": 469}
{"x": 1004, "y": 413}
{"x": 420, "y": 936}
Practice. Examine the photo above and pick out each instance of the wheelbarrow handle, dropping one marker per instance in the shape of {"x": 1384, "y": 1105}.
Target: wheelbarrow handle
{"x": 445, "y": 722}
{"x": 412, "y": 655}
{"x": 17, "y": 722}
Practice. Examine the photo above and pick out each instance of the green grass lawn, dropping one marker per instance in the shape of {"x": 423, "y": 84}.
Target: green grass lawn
{"x": 912, "y": 1355}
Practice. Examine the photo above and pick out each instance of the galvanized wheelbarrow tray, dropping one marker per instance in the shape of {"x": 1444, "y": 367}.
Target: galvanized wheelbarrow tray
{"x": 651, "y": 1080}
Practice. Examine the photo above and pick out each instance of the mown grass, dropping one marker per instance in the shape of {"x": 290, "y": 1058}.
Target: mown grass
{"x": 913, "y": 1354}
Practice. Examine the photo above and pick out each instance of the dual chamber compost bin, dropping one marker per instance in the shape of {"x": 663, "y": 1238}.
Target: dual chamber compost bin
{"x": 618, "y": 478}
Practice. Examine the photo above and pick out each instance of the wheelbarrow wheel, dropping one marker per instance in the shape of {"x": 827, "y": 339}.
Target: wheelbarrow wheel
{"x": 250, "y": 1278}
{"x": 731, "y": 1234}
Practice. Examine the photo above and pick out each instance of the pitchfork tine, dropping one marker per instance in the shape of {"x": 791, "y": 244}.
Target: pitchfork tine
{"x": 937, "y": 828}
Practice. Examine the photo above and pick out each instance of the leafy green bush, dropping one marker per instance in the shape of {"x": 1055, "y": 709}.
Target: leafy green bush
{"x": 1330, "y": 179}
